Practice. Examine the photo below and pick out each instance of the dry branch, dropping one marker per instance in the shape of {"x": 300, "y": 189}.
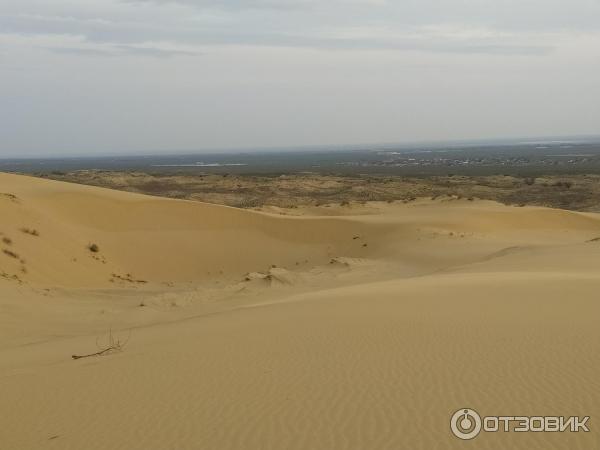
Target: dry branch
{"x": 113, "y": 346}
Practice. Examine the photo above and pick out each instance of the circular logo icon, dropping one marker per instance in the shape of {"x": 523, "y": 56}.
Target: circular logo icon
{"x": 465, "y": 424}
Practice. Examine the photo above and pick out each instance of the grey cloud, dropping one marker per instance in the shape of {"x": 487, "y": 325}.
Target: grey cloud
{"x": 431, "y": 45}
{"x": 129, "y": 35}
{"x": 154, "y": 51}
{"x": 77, "y": 51}
{"x": 281, "y": 5}
{"x": 121, "y": 50}
{"x": 506, "y": 14}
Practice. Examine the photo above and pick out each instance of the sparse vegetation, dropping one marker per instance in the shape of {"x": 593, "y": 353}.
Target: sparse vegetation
{"x": 565, "y": 184}
{"x": 568, "y": 191}
{"x": 127, "y": 278}
{"x": 11, "y": 197}
{"x": 10, "y": 277}
{"x": 10, "y": 253}
{"x": 30, "y": 231}
{"x": 248, "y": 202}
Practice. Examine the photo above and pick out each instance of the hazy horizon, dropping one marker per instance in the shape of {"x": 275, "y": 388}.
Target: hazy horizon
{"x": 146, "y": 76}
{"x": 364, "y": 146}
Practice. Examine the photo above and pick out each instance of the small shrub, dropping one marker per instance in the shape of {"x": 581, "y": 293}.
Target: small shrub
{"x": 93, "y": 248}
{"x": 7, "y": 240}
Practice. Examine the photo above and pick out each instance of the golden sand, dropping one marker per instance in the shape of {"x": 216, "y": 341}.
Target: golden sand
{"x": 247, "y": 330}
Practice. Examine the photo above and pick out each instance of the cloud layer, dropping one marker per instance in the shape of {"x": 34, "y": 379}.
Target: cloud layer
{"x": 444, "y": 25}
{"x": 263, "y": 72}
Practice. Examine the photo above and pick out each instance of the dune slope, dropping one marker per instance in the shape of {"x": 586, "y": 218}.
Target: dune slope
{"x": 370, "y": 332}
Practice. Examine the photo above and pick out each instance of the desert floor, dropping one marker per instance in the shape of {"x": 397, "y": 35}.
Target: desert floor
{"x": 363, "y": 329}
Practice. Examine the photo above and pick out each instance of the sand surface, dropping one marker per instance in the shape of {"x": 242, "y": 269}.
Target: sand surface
{"x": 247, "y": 330}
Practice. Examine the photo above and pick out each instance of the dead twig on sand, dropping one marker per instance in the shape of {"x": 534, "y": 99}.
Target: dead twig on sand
{"x": 113, "y": 346}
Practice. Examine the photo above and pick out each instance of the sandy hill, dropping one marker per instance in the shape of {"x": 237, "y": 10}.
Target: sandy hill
{"x": 248, "y": 330}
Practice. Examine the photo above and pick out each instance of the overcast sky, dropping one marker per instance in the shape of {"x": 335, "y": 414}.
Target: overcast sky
{"x": 146, "y": 76}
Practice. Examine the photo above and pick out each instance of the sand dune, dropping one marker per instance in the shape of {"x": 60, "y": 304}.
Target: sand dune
{"x": 260, "y": 331}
